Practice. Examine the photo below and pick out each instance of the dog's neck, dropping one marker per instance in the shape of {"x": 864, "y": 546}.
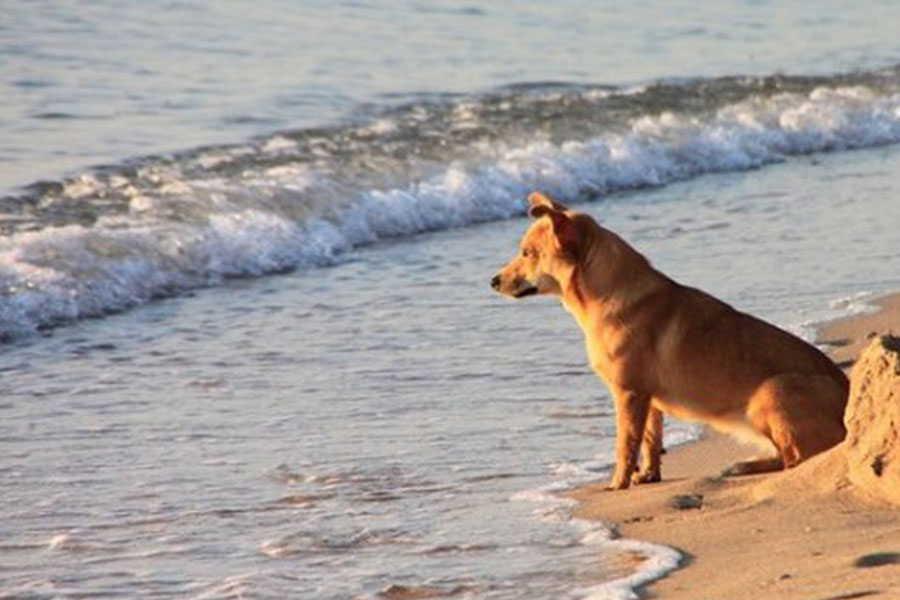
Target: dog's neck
{"x": 601, "y": 287}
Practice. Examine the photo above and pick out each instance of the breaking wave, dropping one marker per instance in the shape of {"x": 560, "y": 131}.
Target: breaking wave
{"x": 116, "y": 237}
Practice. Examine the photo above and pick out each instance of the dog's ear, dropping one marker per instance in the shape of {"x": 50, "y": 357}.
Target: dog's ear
{"x": 564, "y": 231}
{"x": 563, "y": 228}
{"x": 539, "y": 204}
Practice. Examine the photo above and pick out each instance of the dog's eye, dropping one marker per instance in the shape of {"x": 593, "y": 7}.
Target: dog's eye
{"x": 526, "y": 252}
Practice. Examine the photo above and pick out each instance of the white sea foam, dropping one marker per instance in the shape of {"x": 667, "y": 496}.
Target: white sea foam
{"x": 657, "y": 150}
{"x": 278, "y": 143}
{"x": 548, "y": 495}
{"x": 61, "y": 273}
{"x": 59, "y": 541}
{"x": 659, "y": 561}
{"x": 656, "y": 560}
{"x": 73, "y": 272}
{"x": 582, "y": 470}
{"x": 681, "y": 434}
{"x": 553, "y": 507}
{"x": 857, "y": 303}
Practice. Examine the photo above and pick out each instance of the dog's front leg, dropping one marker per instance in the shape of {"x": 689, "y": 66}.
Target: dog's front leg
{"x": 631, "y": 417}
{"x": 651, "y": 449}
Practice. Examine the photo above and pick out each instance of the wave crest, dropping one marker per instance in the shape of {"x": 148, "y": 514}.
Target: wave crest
{"x": 116, "y": 238}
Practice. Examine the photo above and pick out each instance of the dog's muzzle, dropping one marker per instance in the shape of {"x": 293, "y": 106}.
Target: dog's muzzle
{"x": 529, "y": 290}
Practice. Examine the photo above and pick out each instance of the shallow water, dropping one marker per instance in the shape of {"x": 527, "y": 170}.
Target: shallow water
{"x": 334, "y": 433}
{"x": 373, "y": 418}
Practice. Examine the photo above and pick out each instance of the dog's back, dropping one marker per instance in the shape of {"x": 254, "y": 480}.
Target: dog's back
{"x": 717, "y": 357}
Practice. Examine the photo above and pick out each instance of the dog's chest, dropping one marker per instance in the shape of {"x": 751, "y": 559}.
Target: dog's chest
{"x": 616, "y": 357}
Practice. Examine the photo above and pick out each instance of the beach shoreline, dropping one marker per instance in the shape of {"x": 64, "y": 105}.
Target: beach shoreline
{"x": 799, "y": 534}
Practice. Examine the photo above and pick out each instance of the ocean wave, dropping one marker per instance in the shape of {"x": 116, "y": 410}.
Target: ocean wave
{"x": 118, "y": 237}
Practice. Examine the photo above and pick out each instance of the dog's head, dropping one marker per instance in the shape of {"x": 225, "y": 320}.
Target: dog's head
{"x": 547, "y": 253}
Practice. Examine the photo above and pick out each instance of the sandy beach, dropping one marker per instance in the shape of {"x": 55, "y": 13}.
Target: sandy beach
{"x": 802, "y": 534}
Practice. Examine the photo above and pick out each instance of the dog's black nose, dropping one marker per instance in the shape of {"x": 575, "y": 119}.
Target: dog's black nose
{"x": 495, "y": 282}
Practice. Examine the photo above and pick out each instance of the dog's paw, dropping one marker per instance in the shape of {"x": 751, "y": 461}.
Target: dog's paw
{"x": 618, "y": 483}
{"x": 646, "y": 477}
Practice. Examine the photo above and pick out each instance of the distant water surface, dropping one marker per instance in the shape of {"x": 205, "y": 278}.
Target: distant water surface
{"x": 89, "y": 82}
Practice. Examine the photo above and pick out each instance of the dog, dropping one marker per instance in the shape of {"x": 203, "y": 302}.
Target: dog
{"x": 662, "y": 347}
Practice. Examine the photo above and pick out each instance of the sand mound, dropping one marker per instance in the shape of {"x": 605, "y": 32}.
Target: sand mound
{"x": 873, "y": 420}
{"x": 868, "y": 460}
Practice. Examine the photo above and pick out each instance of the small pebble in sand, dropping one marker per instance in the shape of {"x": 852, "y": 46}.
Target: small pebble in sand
{"x": 687, "y": 501}
{"x": 638, "y": 519}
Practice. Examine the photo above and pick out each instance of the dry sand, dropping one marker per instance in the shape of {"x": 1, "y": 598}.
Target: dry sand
{"x": 802, "y": 534}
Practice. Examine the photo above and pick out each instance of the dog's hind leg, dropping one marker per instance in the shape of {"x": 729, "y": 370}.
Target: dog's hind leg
{"x": 651, "y": 449}
{"x": 794, "y": 412}
{"x": 631, "y": 418}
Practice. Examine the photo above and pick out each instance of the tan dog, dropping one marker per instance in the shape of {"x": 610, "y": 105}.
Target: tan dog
{"x": 662, "y": 347}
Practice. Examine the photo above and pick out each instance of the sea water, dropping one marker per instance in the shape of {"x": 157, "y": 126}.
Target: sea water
{"x": 273, "y": 367}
